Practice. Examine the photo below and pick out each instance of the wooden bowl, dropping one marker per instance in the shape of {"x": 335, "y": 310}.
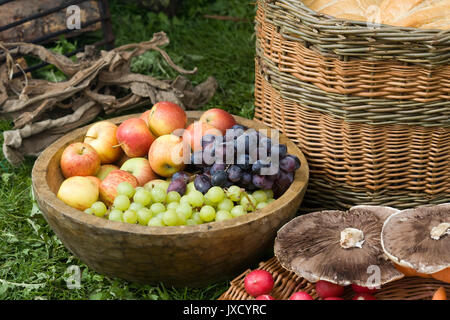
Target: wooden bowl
{"x": 179, "y": 256}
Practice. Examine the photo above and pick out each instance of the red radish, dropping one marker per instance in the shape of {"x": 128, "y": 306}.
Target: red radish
{"x": 359, "y": 289}
{"x": 364, "y": 296}
{"x": 333, "y": 298}
{"x": 300, "y": 295}
{"x": 327, "y": 289}
{"x": 265, "y": 297}
{"x": 258, "y": 282}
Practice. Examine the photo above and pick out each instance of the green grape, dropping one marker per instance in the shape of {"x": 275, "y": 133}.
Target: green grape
{"x": 215, "y": 195}
{"x": 135, "y": 206}
{"x": 222, "y": 215}
{"x": 99, "y": 209}
{"x": 121, "y": 202}
{"x": 270, "y": 201}
{"x": 208, "y": 202}
{"x": 143, "y": 197}
{"x": 191, "y": 222}
{"x": 158, "y": 195}
{"x": 156, "y": 222}
{"x": 234, "y": 193}
{"x": 89, "y": 211}
{"x": 157, "y": 208}
{"x": 190, "y": 187}
{"x": 173, "y": 205}
{"x": 181, "y": 218}
{"x": 226, "y": 204}
{"x": 196, "y": 199}
{"x": 185, "y": 210}
{"x": 196, "y": 217}
{"x": 184, "y": 199}
{"x": 126, "y": 189}
{"x": 207, "y": 213}
{"x": 269, "y": 194}
{"x": 170, "y": 218}
{"x": 130, "y": 216}
{"x": 173, "y": 196}
{"x": 260, "y": 196}
{"x": 238, "y": 211}
{"x": 148, "y": 186}
{"x": 261, "y": 205}
{"x": 144, "y": 215}
{"x": 116, "y": 215}
{"x": 164, "y": 185}
{"x": 161, "y": 214}
{"x": 248, "y": 202}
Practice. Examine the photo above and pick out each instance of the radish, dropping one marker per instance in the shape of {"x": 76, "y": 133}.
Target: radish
{"x": 327, "y": 289}
{"x": 265, "y": 297}
{"x": 300, "y": 295}
{"x": 359, "y": 289}
{"x": 258, "y": 283}
{"x": 364, "y": 296}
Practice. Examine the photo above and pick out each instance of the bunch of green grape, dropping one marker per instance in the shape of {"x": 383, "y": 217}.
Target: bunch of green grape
{"x": 152, "y": 205}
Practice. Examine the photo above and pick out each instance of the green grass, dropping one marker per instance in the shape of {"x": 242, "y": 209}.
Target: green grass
{"x": 33, "y": 261}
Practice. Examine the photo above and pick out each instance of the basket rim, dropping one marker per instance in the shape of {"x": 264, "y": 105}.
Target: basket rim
{"x": 40, "y": 185}
{"x": 329, "y": 23}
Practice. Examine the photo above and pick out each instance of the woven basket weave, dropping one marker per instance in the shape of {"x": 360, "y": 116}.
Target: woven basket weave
{"x": 286, "y": 283}
{"x": 368, "y": 105}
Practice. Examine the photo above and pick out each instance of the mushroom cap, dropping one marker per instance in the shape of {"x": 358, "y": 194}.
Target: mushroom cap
{"x": 310, "y": 246}
{"x": 406, "y": 238}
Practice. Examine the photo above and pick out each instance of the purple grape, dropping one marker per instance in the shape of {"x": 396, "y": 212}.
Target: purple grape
{"x": 220, "y": 179}
{"x": 246, "y": 179}
{"x": 182, "y": 175}
{"x": 285, "y": 178}
{"x": 233, "y": 134}
{"x": 208, "y": 139}
{"x": 234, "y": 173}
{"x": 178, "y": 185}
{"x": 238, "y": 126}
{"x": 202, "y": 183}
{"x": 260, "y": 164}
{"x": 207, "y": 169}
{"x": 262, "y": 182}
{"x": 243, "y": 161}
{"x": 208, "y": 154}
{"x": 280, "y": 150}
{"x": 288, "y": 164}
{"x": 217, "y": 167}
{"x": 222, "y": 150}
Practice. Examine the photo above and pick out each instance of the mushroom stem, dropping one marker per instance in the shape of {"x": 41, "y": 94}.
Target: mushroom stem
{"x": 352, "y": 238}
{"x": 439, "y": 231}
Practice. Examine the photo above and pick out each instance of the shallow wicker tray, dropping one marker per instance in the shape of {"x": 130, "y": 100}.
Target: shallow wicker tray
{"x": 286, "y": 283}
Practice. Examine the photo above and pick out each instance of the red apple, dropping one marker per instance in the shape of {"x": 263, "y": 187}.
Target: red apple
{"x": 108, "y": 187}
{"x": 145, "y": 116}
{"x": 265, "y": 297}
{"x": 78, "y": 192}
{"x": 219, "y": 119}
{"x": 258, "y": 282}
{"x": 102, "y": 137}
{"x": 105, "y": 169}
{"x": 300, "y": 295}
{"x": 166, "y": 155}
{"x": 327, "y": 289}
{"x": 79, "y": 159}
{"x": 359, "y": 289}
{"x": 194, "y": 133}
{"x": 141, "y": 169}
{"x": 134, "y": 137}
{"x": 165, "y": 117}
{"x": 364, "y": 296}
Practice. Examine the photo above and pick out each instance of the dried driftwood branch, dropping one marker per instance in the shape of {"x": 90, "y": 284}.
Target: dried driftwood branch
{"x": 42, "y": 111}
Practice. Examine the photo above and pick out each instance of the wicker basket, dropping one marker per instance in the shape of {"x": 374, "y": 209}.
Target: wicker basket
{"x": 368, "y": 105}
{"x": 286, "y": 283}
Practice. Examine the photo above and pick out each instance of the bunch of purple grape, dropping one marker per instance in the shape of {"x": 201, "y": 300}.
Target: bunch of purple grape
{"x": 243, "y": 157}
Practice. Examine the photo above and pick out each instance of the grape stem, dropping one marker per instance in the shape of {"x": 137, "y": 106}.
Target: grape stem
{"x": 250, "y": 200}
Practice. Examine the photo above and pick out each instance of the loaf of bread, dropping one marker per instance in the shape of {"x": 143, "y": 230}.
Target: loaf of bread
{"x": 425, "y": 14}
